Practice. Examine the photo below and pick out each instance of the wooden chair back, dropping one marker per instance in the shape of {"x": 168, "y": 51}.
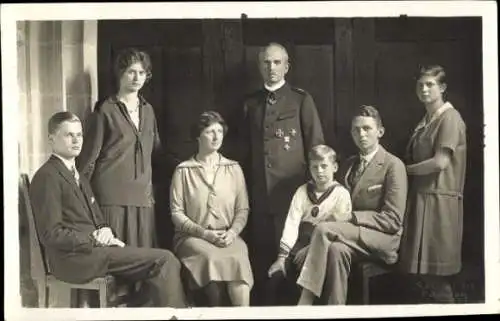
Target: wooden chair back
{"x": 38, "y": 267}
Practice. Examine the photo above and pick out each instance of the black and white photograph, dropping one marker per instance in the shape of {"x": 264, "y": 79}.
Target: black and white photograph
{"x": 321, "y": 159}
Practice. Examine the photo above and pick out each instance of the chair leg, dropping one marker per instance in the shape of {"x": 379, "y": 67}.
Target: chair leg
{"x": 42, "y": 293}
{"x": 365, "y": 289}
{"x": 103, "y": 296}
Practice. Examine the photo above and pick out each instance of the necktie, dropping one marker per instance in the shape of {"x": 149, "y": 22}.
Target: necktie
{"x": 358, "y": 172}
{"x": 75, "y": 174}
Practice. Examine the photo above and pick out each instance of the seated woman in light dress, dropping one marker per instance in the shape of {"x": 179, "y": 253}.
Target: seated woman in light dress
{"x": 209, "y": 205}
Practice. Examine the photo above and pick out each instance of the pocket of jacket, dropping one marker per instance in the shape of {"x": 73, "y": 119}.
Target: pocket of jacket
{"x": 374, "y": 188}
{"x": 286, "y": 115}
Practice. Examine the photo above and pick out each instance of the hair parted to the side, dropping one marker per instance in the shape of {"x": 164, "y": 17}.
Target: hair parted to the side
{"x": 322, "y": 152}
{"x": 369, "y": 111}
{"x": 206, "y": 119}
{"x": 435, "y": 71}
{"x": 130, "y": 56}
{"x": 58, "y": 118}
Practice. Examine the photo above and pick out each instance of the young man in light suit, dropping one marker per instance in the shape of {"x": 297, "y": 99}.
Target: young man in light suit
{"x": 78, "y": 244}
{"x": 378, "y": 184}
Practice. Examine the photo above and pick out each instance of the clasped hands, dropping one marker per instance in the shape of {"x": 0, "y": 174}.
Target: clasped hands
{"x": 220, "y": 238}
{"x": 104, "y": 237}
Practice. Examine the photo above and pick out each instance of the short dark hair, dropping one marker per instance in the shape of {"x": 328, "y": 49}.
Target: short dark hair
{"x": 369, "y": 111}
{"x": 58, "y": 118}
{"x": 130, "y": 56}
{"x": 321, "y": 152}
{"x": 434, "y": 71}
{"x": 206, "y": 119}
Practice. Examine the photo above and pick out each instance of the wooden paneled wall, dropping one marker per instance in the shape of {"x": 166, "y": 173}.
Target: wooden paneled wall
{"x": 343, "y": 62}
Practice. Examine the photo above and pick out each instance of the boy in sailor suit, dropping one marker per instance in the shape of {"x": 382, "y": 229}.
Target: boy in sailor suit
{"x": 321, "y": 199}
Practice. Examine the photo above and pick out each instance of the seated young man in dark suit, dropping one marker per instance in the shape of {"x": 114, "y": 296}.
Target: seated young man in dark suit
{"x": 78, "y": 243}
{"x": 378, "y": 184}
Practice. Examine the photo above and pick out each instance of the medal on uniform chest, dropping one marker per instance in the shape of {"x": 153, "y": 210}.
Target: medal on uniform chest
{"x": 286, "y": 139}
{"x": 280, "y": 133}
{"x": 293, "y": 132}
{"x": 315, "y": 211}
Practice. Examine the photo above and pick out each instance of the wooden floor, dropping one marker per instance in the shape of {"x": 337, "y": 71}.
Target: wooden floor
{"x": 386, "y": 289}
{"x": 469, "y": 288}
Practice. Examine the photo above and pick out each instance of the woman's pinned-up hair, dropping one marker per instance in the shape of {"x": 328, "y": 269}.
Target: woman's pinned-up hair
{"x": 436, "y": 71}
{"x": 130, "y": 56}
{"x": 206, "y": 119}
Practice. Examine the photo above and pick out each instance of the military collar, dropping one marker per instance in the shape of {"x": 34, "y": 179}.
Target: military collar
{"x": 280, "y": 92}
{"x": 275, "y": 87}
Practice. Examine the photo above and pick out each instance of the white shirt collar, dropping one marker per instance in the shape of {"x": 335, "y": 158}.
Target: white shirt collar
{"x": 275, "y": 86}
{"x": 69, "y": 164}
{"x": 370, "y": 156}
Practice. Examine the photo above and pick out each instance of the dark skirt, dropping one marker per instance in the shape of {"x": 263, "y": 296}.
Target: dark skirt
{"x": 133, "y": 225}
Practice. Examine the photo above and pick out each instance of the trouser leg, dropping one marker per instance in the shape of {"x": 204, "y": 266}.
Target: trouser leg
{"x": 159, "y": 269}
{"x": 168, "y": 285}
{"x": 313, "y": 272}
{"x": 263, "y": 252}
{"x": 340, "y": 258}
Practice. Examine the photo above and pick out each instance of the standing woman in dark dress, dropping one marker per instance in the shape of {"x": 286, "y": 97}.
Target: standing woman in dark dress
{"x": 120, "y": 137}
{"x": 431, "y": 244}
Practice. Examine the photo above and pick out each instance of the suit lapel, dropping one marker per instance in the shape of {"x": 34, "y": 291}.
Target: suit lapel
{"x": 66, "y": 174}
{"x": 345, "y": 178}
{"x": 85, "y": 191}
{"x": 371, "y": 169}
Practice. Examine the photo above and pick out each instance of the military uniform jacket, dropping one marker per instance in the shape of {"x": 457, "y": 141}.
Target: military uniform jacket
{"x": 278, "y": 136}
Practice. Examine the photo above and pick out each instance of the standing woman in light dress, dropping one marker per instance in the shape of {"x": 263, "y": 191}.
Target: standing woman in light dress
{"x": 120, "y": 137}
{"x": 436, "y": 163}
{"x": 209, "y": 205}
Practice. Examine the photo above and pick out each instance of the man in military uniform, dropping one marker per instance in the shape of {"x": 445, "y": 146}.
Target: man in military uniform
{"x": 281, "y": 125}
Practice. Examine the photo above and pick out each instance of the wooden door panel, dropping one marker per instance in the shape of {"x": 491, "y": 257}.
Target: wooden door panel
{"x": 342, "y": 62}
{"x": 399, "y": 47}
{"x": 312, "y": 69}
{"x": 182, "y": 98}
{"x": 394, "y": 90}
